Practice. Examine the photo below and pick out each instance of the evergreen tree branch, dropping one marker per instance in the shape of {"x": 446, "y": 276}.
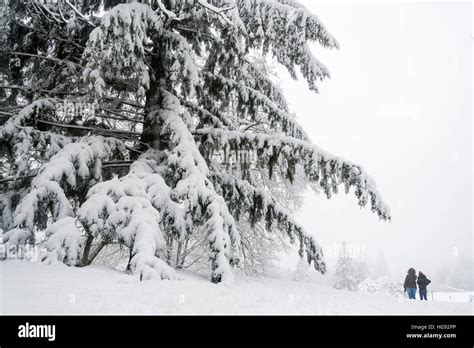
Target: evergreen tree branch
{"x": 319, "y": 166}
{"x": 253, "y": 99}
{"x": 241, "y": 196}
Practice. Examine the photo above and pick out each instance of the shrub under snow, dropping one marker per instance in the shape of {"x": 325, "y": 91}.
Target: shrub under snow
{"x": 381, "y": 286}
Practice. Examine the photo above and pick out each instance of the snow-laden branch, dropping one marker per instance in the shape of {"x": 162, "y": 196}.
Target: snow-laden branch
{"x": 28, "y": 112}
{"x": 168, "y": 13}
{"x": 256, "y": 102}
{"x": 74, "y": 168}
{"x": 319, "y": 166}
{"x": 196, "y": 191}
{"x": 218, "y": 10}
{"x": 24, "y": 142}
{"x": 285, "y": 30}
{"x": 125, "y": 28}
{"x": 52, "y": 59}
{"x": 258, "y": 80}
{"x": 217, "y": 119}
{"x": 64, "y": 242}
{"x": 135, "y": 209}
{"x": 79, "y": 13}
{"x": 260, "y": 205}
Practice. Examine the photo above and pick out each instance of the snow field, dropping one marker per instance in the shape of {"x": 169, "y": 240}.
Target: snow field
{"x": 35, "y": 288}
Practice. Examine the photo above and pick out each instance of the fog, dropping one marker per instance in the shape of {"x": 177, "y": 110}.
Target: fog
{"x": 399, "y": 104}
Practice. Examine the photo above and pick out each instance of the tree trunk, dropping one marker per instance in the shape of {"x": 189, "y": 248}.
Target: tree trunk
{"x": 87, "y": 249}
{"x": 178, "y": 254}
{"x": 150, "y": 132}
{"x": 96, "y": 252}
{"x": 183, "y": 258}
{"x": 129, "y": 260}
{"x": 170, "y": 249}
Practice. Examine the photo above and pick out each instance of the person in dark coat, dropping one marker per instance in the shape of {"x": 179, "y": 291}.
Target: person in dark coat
{"x": 422, "y": 284}
{"x": 410, "y": 284}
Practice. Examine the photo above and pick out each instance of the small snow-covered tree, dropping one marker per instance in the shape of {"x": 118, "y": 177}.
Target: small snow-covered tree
{"x": 381, "y": 286}
{"x": 349, "y": 271}
{"x": 114, "y": 112}
{"x": 302, "y": 271}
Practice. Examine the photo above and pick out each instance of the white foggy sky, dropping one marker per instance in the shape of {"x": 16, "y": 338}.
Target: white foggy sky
{"x": 399, "y": 104}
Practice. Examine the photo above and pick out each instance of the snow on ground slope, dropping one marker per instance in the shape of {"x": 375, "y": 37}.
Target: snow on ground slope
{"x": 465, "y": 296}
{"x": 34, "y": 288}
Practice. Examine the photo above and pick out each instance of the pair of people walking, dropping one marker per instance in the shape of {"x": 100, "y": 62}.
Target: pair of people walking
{"x": 411, "y": 281}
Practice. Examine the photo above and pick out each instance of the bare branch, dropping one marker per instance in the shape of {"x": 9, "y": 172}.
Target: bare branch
{"x": 6, "y": 113}
{"x": 79, "y": 14}
{"x": 101, "y": 130}
{"x": 48, "y": 11}
{"x": 31, "y": 89}
{"x": 196, "y": 31}
{"x": 50, "y": 36}
{"x": 57, "y": 60}
{"x": 11, "y": 178}
{"x": 105, "y": 164}
{"x": 168, "y": 13}
{"x": 126, "y": 102}
{"x": 120, "y": 116}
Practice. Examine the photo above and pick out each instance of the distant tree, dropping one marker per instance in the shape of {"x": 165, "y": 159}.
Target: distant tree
{"x": 349, "y": 272}
{"x": 302, "y": 271}
{"x": 382, "y": 286}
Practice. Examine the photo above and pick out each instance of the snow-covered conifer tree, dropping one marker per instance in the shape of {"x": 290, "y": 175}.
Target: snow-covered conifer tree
{"x": 114, "y": 114}
{"x": 302, "y": 271}
{"x": 349, "y": 271}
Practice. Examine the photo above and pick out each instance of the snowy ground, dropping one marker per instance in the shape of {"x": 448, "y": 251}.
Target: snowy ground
{"x": 465, "y": 296}
{"x": 33, "y": 288}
